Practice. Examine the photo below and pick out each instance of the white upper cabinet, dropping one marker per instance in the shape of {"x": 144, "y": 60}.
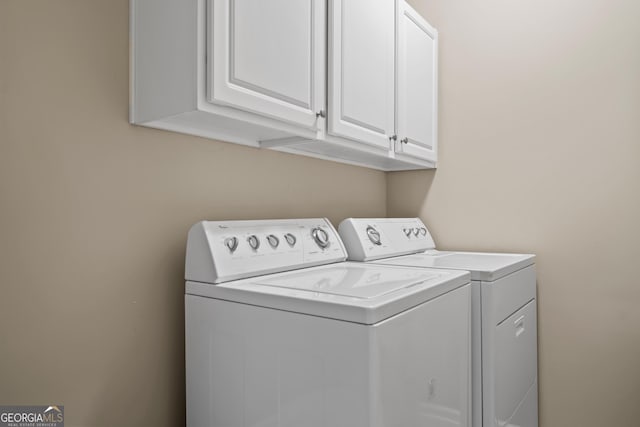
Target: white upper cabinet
{"x": 353, "y": 81}
{"x": 417, "y": 83}
{"x": 268, "y": 57}
{"x": 361, "y": 70}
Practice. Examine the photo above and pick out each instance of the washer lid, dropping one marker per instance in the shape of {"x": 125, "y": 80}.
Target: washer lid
{"x": 351, "y": 280}
{"x": 483, "y": 266}
{"x": 354, "y": 292}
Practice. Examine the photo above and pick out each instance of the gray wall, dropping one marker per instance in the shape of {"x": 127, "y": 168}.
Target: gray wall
{"x": 94, "y": 215}
{"x": 540, "y": 137}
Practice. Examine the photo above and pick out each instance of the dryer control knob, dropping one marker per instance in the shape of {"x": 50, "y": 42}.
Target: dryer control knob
{"x": 231, "y": 243}
{"x": 321, "y": 237}
{"x": 423, "y": 231}
{"x": 290, "y": 238}
{"x": 416, "y": 231}
{"x": 407, "y": 232}
{"x": 254, "y": 242}
{"x": 273, "y": 241}
{"x": 374, "y": 235}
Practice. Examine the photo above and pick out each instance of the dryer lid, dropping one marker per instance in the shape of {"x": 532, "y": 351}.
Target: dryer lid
{"x": 483, "y": 266}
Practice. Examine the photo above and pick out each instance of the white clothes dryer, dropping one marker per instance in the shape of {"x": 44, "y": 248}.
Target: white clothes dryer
{"x": 504, "y": 325}
{"x": 282, "y": 332}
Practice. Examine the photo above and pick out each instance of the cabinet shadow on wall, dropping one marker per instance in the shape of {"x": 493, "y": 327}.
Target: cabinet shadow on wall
{"x": 407, "y": 192}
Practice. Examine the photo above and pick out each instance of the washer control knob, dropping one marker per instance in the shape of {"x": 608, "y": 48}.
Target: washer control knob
{"x": 423, "y": 231}
{"x": 273, "y": 241}
{"x": 416, "y": 231}
{"x": 290, "y": 238}
{"x": 254, "y": 242}
{"x": 321, "y": 237}
{"x": 231, "y": 243}
{"x": 374, "y": 235}
{"x": 407, "y": 232}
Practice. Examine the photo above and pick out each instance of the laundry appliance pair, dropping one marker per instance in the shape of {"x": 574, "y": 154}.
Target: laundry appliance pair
{"x": 282, "y": 330}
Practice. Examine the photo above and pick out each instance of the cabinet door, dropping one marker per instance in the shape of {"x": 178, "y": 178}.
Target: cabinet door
{"x": 361, "y": 70}
{"x": 268, "y": 57}
{"x": 417, "y": 71}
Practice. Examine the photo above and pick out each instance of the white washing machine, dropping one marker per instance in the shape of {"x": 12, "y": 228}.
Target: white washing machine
{"x": 504, "y": 329}
{"x": 281, "y": 332}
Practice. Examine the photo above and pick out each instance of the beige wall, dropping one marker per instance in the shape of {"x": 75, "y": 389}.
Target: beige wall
{"x": 94, "y": 215}
{"x": 540, "y": 142}
{"x": 540, "y": 136}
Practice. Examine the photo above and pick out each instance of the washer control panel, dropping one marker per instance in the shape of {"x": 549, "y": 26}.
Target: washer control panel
{"x": 367, "y": 239}
{"x": 220, "y": 251}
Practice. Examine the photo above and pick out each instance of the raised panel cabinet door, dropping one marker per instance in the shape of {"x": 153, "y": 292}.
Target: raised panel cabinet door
{"x": 268, "y": 57}
{"x": 417, "y": 98}
{"x": 361, "y": 70}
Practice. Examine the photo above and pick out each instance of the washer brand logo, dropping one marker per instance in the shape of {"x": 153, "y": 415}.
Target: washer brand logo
{"x": 32, "y": 416}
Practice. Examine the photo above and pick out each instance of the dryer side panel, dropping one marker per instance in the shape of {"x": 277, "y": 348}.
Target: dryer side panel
{"x": 509, "y": 350}
{"x": 515, "y": 361}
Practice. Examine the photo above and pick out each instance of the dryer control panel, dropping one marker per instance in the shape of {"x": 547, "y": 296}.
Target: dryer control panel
{"x": 368, "y": 239}
{"x": 220, "y": 251}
